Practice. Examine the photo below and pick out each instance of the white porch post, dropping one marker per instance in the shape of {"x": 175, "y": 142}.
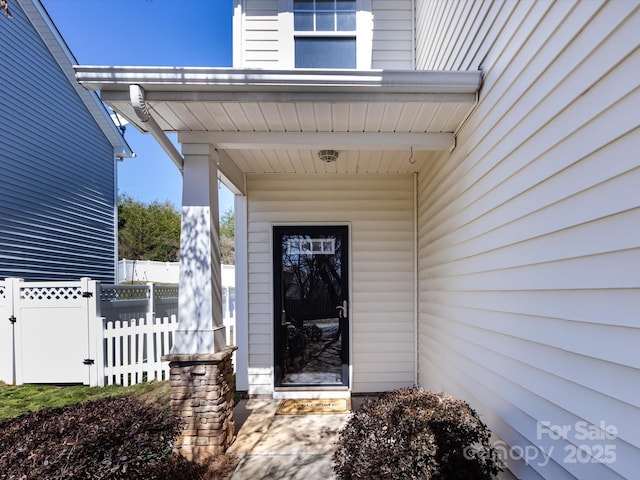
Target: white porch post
{"x": 200, "y": 321}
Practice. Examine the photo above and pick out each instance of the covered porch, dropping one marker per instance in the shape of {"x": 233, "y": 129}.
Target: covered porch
{"x": 262, "y": 133}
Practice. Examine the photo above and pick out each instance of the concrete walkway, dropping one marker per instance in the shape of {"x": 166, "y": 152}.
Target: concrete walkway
{"x": 283, "y": 447}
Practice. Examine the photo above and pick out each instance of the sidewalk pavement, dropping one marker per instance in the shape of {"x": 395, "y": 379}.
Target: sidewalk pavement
{"x": 283, "y": 447}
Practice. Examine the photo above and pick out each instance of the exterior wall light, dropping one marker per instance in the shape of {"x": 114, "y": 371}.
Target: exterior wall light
{"x": 328, "y": 156}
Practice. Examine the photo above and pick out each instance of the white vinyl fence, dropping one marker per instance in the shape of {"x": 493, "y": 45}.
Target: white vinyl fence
{"x": 160, "y": 272}
{"x": 138, "y": 322}
{"x": 147, "y": 271}
{"x": 133, "y": 349}
{"x": 85, "y": 332}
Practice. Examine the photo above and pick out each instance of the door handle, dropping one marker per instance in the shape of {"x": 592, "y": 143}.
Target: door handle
{"x": 343, "y": 310}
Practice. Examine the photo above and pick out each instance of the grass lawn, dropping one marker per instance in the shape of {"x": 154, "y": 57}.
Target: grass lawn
{"x": 18, "y": 400}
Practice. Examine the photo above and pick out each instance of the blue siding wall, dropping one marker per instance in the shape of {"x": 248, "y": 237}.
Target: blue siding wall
{"x": 56, "y": 168}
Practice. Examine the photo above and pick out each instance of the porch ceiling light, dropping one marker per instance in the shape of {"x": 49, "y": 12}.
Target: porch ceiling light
{"x": 328, "y": 156}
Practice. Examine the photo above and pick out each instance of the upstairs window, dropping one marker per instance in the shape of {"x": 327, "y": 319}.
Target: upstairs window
{"x": 325, "y": 33}
{"x": 324, "y": 15}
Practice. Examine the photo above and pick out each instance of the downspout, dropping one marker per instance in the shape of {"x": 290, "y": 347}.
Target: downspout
{"x": 467, "y": 116}
{"x": 116, "y": 245}
{"x": 416, "y": 345}
{"x": 136, "y": 95}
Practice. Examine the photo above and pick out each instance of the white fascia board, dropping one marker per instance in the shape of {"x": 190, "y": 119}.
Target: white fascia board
{"x": 338, "y": 95}
{"x": 224, "y": 79}
{"x": 51, "y": 37}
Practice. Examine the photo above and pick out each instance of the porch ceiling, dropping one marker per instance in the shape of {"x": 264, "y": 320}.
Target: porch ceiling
{"x": 276, "y": 121}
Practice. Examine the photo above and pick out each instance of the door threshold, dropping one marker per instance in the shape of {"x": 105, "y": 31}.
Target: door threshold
{"x": 282, "y": 393}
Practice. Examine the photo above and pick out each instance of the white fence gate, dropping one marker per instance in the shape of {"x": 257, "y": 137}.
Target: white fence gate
{"x": 85, "y": 332}
{"x": 47, "y": 330}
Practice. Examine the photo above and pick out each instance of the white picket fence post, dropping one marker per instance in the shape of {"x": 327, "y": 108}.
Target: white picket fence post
{"x": 6, "y": 335}
{"x": 94, "y": 325}
{"x": 152, "y": 298}
{"x": 8, "y": 329}
{"x": 14, "y": 298}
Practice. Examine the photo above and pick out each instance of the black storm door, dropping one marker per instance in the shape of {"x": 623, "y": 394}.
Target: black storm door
{"x": 311, "y": 305}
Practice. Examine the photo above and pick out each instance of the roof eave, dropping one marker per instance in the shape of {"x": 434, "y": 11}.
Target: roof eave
{"x": 50, "y": 35}
{"x": 206, "y": 79}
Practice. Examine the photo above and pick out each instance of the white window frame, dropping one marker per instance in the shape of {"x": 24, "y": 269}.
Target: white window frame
{"x": 363, "y": 34}
{"x": 334, "y": 12}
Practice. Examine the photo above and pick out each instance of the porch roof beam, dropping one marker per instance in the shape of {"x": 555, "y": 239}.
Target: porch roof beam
{"x": 228, "y": 171}
{"x": 318, "y": 140}
{"x": 230, "y": 174}
{"x": 243, "y": 96}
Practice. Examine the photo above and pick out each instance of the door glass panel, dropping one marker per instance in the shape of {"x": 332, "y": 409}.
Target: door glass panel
{"x": 311, "y": 305}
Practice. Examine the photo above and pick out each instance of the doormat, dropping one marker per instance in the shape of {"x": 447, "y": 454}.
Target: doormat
{"x": 315, "y": 406}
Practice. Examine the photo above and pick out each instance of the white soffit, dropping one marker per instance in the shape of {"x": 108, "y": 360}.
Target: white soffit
{"x": 294, "y": 112}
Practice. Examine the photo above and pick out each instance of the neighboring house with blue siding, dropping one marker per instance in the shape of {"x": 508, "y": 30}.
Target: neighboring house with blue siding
{"x": 58, "y": 151}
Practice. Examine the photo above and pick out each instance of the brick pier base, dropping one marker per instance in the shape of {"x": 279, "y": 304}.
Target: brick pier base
{"x": 202, "y": 395}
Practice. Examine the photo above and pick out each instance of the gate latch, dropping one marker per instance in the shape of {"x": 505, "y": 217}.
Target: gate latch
{"x": 12, "y": 319}
{"x": 88, "y": 361}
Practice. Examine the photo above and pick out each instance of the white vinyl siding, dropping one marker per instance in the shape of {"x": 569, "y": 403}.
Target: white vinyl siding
{"x": 529, "y": 251}
{"x": 379, "y": 210}
{"x": 392, "y": 34}
{"x": 264, "y": 35}
{"x": 257, "y": 36}
{"x": 57, "y": 208}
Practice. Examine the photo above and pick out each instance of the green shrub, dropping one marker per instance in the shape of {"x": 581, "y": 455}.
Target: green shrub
{"x": 412, "y": 433}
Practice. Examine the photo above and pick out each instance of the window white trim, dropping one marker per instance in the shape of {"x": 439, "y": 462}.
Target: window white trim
{"x": 317, "y": 13}
{"x": 363, "y": 34}
{"x": 364, "y": 39}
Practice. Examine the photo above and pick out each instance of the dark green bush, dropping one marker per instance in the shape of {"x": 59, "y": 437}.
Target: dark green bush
{"x": 415, "y": 434}
{"x": 112, "y": 438}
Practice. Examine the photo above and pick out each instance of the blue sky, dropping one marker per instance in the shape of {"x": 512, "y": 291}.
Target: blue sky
{"x": 148, "y": 32}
